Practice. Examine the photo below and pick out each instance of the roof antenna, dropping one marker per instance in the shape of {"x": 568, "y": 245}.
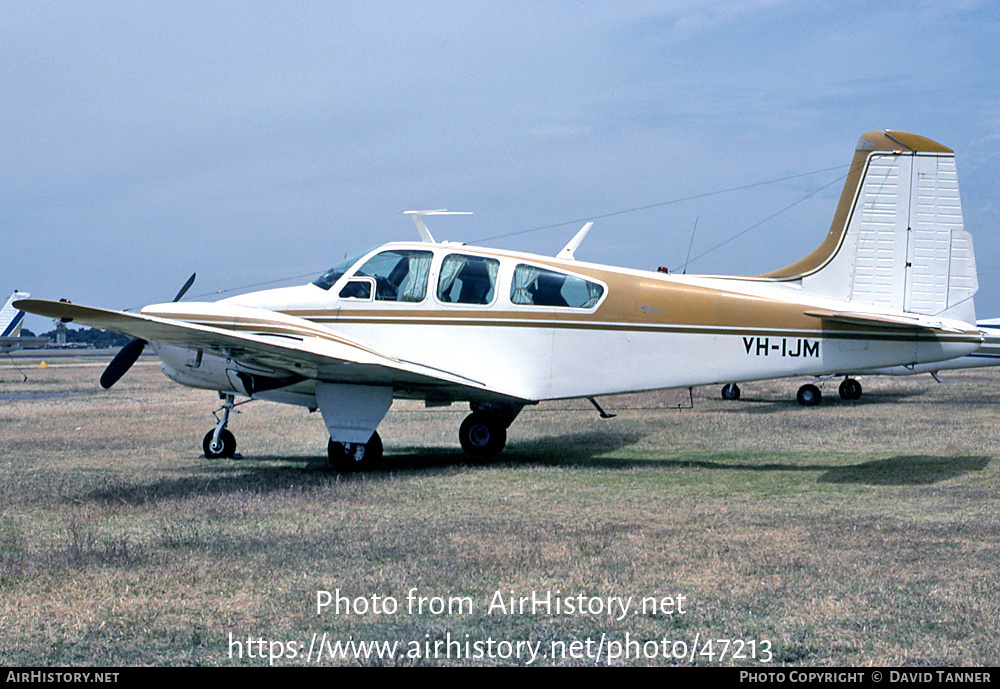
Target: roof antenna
{"x": 567, "y": 251}
{"x": 418, "y": 220}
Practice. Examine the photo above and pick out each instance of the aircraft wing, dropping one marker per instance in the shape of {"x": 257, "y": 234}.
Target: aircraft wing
{"x": 24, "y": 342}
{"x": 263, "y": 338}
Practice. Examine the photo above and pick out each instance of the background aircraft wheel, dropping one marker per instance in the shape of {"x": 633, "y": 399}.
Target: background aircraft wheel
{"x": 227, "y": 445}
{"x": 731, "y": 391}
{"x": 482, "y": 435}
{"x": 850, "y": 389}
{"x": 809, "y": 396}
{"x": 347, "y": 457}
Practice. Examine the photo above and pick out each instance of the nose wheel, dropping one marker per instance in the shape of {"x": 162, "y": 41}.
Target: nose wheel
{"x": 220, "y": 443}
{"x": 223, "y": 448}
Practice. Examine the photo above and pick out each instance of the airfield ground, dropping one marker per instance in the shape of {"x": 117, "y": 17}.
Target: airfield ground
{"x": 853, "y": 533}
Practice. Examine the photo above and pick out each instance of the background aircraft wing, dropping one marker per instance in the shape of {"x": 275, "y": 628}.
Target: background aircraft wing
{"x": 273, "y": 340}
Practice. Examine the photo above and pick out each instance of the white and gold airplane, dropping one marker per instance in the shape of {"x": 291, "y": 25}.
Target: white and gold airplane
{"x": 892, "y": 284}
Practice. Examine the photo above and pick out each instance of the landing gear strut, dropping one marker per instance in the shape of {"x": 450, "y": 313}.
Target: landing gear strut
{"x": 220, "y": 442}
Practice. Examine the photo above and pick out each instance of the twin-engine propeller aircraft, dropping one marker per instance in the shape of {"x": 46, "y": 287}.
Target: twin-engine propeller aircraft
{"x": 892, "y": 284}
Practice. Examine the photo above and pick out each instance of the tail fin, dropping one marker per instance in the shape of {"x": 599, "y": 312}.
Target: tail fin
{"x": 11, "y": 318}
{"x": 897, "y": 241}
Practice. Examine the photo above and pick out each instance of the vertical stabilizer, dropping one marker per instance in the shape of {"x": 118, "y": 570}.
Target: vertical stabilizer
{"x": 898, "y": 241}
{"x": 11, "y": 318}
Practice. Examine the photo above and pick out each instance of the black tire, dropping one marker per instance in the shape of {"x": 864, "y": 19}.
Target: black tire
{"x": 353, "y": 457}
{"x": 850, "y": 389}
{"x": 482, "y": 435}
{"x": 227, "y": 441}
{"x": 730, "y": 391}
{"x": 809, "y": 396}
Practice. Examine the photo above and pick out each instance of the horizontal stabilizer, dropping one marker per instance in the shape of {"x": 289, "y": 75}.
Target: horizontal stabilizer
{"x": 884, "y": 320}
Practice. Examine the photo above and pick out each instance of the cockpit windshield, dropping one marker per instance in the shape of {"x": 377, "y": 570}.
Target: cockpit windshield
{"x": 327, "y": 279}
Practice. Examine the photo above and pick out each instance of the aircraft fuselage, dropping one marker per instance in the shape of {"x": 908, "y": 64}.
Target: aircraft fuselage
{"x": 613, "y": 331}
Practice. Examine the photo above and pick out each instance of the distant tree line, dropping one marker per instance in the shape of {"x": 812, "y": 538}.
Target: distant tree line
{"x": 101, "y": 339}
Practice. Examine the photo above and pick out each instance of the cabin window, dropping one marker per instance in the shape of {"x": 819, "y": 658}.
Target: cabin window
{"x": 399, "y": 275}
{"x": 534, "y": 286}
{"x": 467, "y": 279}
{"x": 358, "y": 288}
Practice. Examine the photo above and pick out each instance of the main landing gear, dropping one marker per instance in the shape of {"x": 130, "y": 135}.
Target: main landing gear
{"x": 482, "y": 434}
{"x": 809, "y": 395}
{"x": 730, "y": 391}
{"x": 484, "y": 431}
{"x": 850, "y": 389}
{"x": 348, "y": 457}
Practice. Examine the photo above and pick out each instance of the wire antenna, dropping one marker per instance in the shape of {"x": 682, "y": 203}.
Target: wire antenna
{"x": 687, "y": 259}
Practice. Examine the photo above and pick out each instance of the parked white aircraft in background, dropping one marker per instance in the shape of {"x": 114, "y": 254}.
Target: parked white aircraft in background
{"x": 11, "y": 320}
{"x": 891, "y": 285}
{"x": 988, "y": 354}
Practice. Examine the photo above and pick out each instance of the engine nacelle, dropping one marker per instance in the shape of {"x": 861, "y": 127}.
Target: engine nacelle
{"x": 194, "y": 368}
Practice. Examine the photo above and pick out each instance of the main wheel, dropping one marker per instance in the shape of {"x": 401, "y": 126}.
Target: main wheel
{"x": 809, "y": 396}
{"x": 482, "y": 435}
{"x": 347, "y": 457}
{"x": 850, "y": 389}
{"x": 730, "y": 391}
{"x": 226, "y": 447}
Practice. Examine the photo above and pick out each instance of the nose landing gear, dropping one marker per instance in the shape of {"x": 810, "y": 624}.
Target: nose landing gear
{"x": 220, "y": 443}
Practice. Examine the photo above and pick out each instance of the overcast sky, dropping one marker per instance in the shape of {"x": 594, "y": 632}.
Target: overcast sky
{"x": 254, "y": 142}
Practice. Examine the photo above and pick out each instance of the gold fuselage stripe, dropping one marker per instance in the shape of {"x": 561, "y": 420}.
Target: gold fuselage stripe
{"x": 266, "y": 327}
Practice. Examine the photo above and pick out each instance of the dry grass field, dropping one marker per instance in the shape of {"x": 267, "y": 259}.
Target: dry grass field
{"x": 853, "y": 533}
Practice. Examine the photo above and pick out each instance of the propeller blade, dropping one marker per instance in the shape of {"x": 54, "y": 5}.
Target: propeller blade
{"x": 186, "y": 287}
{"x": 122, "y": 362}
